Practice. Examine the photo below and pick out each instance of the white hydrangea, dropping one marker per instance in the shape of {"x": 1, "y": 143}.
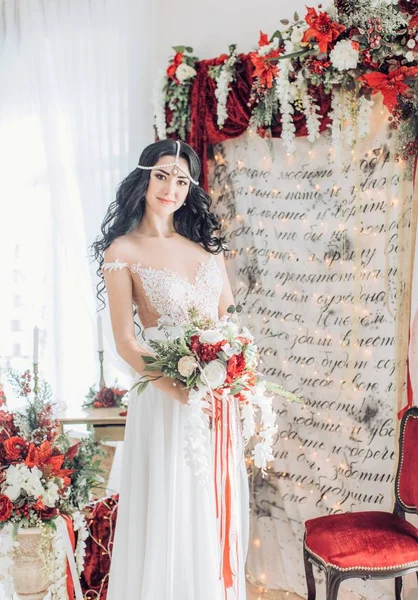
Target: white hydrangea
{"x": 344, "y": 56}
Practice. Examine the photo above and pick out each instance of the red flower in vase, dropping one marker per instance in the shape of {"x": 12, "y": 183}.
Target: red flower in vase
{"x": 14, "y": 447}
{"x": 6, "y": 507}
{"x": 106, "y": 397}
{"x": 321, "y": 29}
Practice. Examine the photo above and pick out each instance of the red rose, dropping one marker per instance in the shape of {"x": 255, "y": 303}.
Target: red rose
{"x": 2, "y": 397}
{"x": 14, "y": 446}
{"x": 106, "y": 397}
{"x": 6, "y": 508}
{"x": 48, "y": 513}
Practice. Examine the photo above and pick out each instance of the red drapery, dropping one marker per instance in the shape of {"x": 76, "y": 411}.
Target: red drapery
{"x": 203, "y": 109}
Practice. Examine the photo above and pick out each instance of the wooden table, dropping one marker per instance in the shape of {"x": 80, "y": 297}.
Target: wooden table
{"x": 102, "y": 422}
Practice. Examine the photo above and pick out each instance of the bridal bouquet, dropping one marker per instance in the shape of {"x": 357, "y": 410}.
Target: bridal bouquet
{"x": 220, "y": 357}
{"x": 218, "y": 360}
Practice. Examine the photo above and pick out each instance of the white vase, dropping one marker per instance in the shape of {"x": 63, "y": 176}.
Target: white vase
{"x": 28, "y": 566}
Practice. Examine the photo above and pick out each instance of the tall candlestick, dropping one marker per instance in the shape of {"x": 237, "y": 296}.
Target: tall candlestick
{"x": 36, "y": 345}
{"x": 100, "y": 333}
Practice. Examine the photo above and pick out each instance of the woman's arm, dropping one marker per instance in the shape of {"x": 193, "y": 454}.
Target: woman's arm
{"x": 227, "y": 297}
{"x": 119, "y": 290}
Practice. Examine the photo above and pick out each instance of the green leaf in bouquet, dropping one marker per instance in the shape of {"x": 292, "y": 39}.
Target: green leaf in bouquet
{"x": 155, "y": 367}
{"x": 275, "y": 388}
{"x": 179, "y": 49}
{"x": 51, "y": 524}
{"x": 237, "y": 388}
{"x": 140, "y": 385}
{"x": 148, "y": 359}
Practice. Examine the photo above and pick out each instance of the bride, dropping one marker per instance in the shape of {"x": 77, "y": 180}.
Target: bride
{"x": 159, "y": 252}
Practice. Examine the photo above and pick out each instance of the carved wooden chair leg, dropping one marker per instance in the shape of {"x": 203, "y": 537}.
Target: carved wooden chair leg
{"x": 310, "y": 579}
{"x": 333, "y": 580}
{"x": 398, "y": 588}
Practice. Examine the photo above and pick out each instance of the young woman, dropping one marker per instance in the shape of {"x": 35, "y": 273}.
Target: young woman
{"x": 159, "y": 254}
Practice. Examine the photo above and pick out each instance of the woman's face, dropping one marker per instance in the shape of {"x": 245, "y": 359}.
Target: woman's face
{"x": 166, "y": 191}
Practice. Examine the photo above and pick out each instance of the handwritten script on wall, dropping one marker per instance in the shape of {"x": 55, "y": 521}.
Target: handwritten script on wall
{"x": 313, "y": 257}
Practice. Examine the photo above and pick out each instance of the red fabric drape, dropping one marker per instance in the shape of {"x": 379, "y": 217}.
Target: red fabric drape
{"x": 203, "y": 109}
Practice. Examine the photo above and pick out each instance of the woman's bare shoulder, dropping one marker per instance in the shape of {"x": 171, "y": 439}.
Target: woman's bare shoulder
{"x": 122, "y": 249}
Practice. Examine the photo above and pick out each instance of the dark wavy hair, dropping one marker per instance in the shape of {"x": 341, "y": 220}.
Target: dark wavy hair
{"x": 193, "y": 220}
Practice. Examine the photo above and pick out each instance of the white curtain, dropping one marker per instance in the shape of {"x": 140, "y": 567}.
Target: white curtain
{"x": 75, "y": 112}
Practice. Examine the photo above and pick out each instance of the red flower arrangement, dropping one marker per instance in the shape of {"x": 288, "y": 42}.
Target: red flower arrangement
{"x": 105, "y": 398}
{"x": 41, "y": 474}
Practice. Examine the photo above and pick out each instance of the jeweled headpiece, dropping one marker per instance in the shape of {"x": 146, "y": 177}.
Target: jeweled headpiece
{"x": 174, "y": 164}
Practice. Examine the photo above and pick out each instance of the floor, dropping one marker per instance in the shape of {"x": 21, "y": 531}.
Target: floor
{"x": 259, "y": 593}
{"x": 253, "y": 593}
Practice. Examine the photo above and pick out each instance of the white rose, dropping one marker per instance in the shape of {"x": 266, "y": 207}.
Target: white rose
{"x": 344, "y": 56}
{"x": 214, "y": 373}
{"x": 50, "y": 495}
{"x": 297, "y": 35}
{"x": 411, "y": 44}
{"x": 187, "y": 365}
{"x": 184, "y": 72}
{"x": 210, "y": 336}
{"x": 410, "y": 56}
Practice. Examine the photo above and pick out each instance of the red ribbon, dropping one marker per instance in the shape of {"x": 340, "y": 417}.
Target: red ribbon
{"x": 223, "y": 492}
{"x": 70, "y": 529}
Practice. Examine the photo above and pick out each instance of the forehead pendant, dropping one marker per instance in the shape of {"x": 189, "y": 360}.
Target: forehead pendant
{"x": 176, "y": 167}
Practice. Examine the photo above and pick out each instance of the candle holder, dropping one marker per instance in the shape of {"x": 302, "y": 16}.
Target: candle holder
{"x": 102, "y": 381}
{"x": 35, "y": 379}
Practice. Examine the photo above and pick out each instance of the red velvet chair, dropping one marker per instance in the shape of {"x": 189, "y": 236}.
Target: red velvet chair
{"x": 370, "y": 545}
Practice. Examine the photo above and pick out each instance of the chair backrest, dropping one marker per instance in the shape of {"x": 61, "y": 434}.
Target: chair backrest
{"x": 406, "y": 485}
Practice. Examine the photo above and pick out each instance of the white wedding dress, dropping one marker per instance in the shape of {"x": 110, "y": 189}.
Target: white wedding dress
{"x": 167, "y": 544}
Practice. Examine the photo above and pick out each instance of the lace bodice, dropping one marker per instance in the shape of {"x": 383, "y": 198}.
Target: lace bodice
{"x": 165, "y": 295}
